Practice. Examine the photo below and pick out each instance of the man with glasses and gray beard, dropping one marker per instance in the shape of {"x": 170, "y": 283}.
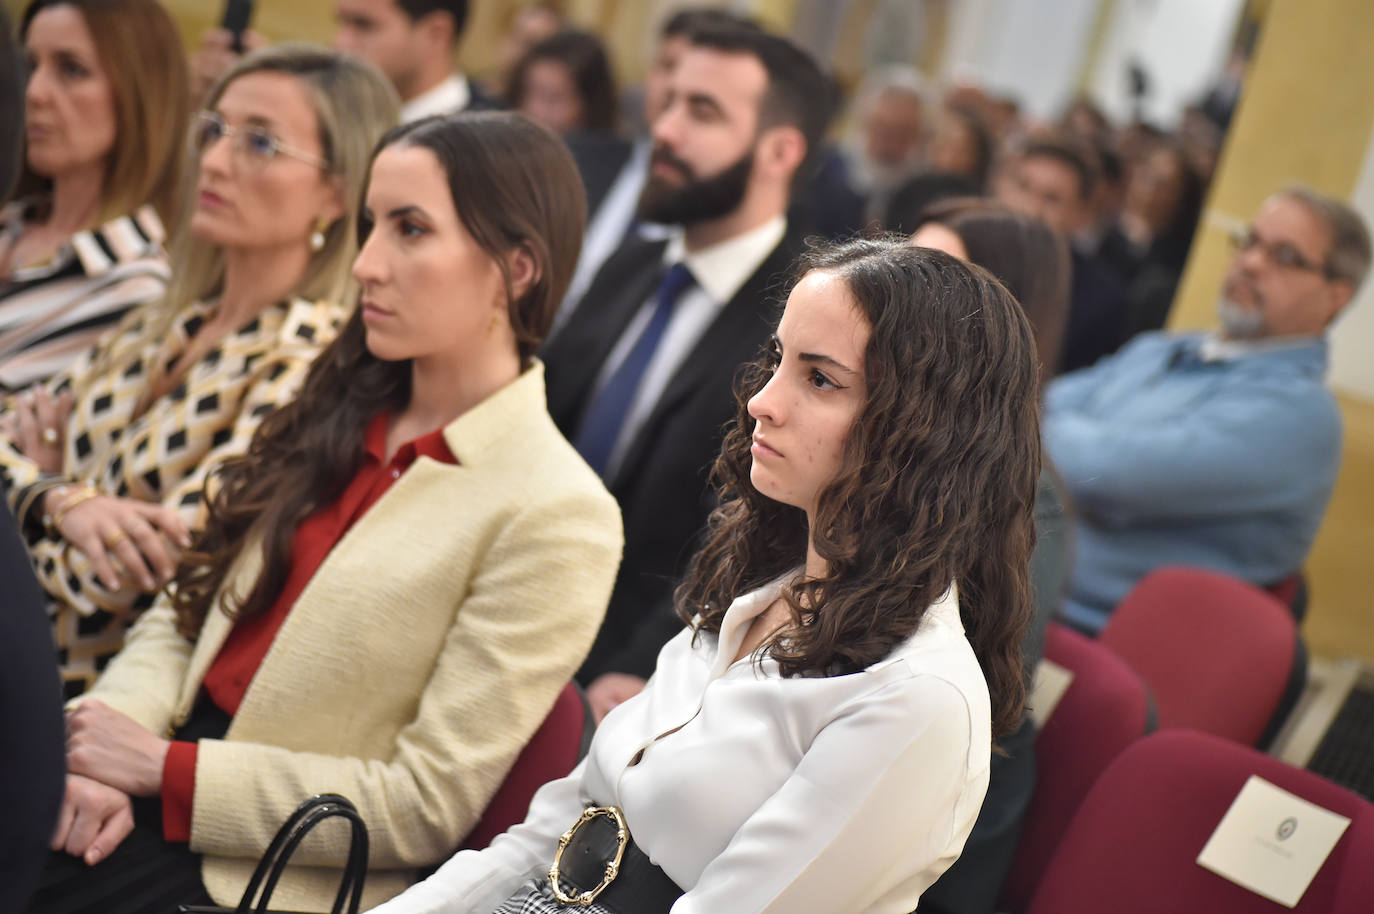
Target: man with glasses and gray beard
{"x": 640, "y": 378}
{"x": 1214, "y": 450}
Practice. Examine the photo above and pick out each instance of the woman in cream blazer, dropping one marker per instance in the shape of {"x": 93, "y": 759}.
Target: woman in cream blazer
{"x": 441, "y": 585}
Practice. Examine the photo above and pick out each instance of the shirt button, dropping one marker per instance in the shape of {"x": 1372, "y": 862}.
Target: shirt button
{"x": 395, "y": 474}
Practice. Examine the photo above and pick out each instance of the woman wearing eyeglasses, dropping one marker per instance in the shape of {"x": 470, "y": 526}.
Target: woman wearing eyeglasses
{"x": 108, "y": 491}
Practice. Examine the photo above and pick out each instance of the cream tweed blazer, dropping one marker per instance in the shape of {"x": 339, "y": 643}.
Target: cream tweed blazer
{"x": 418, "y": 661}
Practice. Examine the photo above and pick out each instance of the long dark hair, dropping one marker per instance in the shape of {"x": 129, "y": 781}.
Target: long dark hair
{"x": 513, "y": 184}
{"x": 1026, "y": 256}
{"x": 937, "y": 485}
{"x": 584, "y": 56}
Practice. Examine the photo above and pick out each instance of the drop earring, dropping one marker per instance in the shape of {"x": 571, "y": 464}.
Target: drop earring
{"x": 317, "y": 237}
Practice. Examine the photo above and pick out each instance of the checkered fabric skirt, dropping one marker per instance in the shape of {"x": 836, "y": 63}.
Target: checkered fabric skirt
{"x": 535, "y": 897}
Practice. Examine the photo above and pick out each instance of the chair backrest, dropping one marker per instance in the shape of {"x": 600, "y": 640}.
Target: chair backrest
{"x": 1105, "y": 708}
{"x": 1133, "y": 846}
{"x": 1216, "y": 652}
{"x": 551, "y": 753}
{"x": 1292, "y": 592}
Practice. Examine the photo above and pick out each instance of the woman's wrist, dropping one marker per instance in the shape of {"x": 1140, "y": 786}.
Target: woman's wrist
{"x": 59, "y": 501}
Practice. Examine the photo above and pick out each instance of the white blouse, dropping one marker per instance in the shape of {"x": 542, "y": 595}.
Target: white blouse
{"x": 762, "y": 793}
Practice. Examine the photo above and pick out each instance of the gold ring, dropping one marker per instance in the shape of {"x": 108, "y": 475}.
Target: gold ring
{"x": 49, "y": 436}
{"x": 114, "y": 539}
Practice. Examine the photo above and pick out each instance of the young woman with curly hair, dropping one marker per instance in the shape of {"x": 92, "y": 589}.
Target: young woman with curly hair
{"x": 819, "y": 737}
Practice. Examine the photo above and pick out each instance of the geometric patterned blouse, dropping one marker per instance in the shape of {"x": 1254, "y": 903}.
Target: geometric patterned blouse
{"x": 161, "y": 455}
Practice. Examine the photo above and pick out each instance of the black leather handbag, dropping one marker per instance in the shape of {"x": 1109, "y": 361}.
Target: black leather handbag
{"x": 273, "y": 863}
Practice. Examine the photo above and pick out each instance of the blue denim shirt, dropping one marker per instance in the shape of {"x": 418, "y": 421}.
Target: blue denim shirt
{"x": 1174, "y": 460}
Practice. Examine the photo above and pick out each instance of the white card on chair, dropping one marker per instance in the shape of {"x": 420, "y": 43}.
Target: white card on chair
{"x": 1272, "y": 842}
{"x": 1051, "y": 682}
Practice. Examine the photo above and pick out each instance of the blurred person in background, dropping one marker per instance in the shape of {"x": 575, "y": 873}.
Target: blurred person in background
{"x": 1032, "y": 261}
{"x": 529, "y": 25}
{"x": 1215, "y": 450}
{"x": 613, "y": 174}
{"x": 395, "y": 581}
{"x": 32, "y": 735}
{"x": 640, "y": 376}
{"x": 1201, "y": 139}
{"x": 893, "y": 117}
{"x": 1053, "y": 176}
{"x": 81, "y": 241}
{"x": 565, "y": 83}
{"x": 106, "y": 463}
{"x": 963, "y": 145}
{"x": 413, "y": 43}
{"x": 1085, "y": 119}
{"x": 960, "y": 159}
{"x": 1163, "y": 205}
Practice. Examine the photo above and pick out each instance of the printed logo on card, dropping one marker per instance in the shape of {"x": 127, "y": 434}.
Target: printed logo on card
{"x": 1286, "y": 828}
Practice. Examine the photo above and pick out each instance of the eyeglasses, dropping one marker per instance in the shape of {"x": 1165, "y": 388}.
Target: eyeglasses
{"x": 1280, "y": 253}
{"x": 253, "y": 147}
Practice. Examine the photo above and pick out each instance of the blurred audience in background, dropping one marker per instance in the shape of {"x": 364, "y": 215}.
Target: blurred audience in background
{"x": 893, "y": 119}
{"x": 565, "y": 83}
{"x": 413, "y": 43}
{"x": 528, "y": 26}
{"x": 81, "y": 240}
{"x": 1162, "y": 208}
{"x": 1053, "y": 176}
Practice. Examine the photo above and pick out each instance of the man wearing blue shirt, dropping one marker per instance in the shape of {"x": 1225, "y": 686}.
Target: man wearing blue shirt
{"x": 1214, "y": 450}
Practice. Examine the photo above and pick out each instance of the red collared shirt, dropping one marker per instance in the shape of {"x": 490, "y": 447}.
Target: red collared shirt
{"x": 229, "y": 676}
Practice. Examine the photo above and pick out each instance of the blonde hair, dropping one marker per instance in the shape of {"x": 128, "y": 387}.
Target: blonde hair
{"x": 140, "y": 51}
{"x": 354, "y": 105}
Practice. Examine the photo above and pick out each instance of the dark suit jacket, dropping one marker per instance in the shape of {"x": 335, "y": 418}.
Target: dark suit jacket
{"x": 599, "y": 154}
{"x": 662, "y": 482}
{"x": 480, "y": 100}
{"x": 32, "y": 734}
{"x": 1097, "y": 314}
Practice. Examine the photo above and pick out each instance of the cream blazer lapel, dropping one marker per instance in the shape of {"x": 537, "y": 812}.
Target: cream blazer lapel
{"x": 475, "y": 438}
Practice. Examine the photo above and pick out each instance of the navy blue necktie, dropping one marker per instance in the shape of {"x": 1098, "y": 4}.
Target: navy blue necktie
{"x": 610, "y": 407}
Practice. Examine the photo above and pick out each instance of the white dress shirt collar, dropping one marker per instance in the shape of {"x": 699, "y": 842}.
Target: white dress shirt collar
{"x": 724, "y": 267}
{"x": 1215, "y": 349}
{"x": 449, "y": 97}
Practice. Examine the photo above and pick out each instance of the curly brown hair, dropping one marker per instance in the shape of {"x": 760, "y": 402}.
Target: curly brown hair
{"x": 513, "y": 184}
{"x": 937, "y": 484}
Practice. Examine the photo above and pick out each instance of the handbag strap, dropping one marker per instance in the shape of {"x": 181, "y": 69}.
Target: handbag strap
{"x": 294, "y": 830}
{"x": 355, "y": 871}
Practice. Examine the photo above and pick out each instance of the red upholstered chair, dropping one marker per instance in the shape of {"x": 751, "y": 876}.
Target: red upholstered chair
{"x": 557, "y": 746}
{"x": 1105, "y": 708}
{"x": 1216, "y": 652}
{"x": 1133, "y": 846}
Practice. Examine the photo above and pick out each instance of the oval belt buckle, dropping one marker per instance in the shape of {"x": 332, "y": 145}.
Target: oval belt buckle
{"x": 622, "y": 838}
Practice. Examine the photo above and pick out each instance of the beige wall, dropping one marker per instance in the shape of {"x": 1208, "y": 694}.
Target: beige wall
{"x": 1306, "y": 115}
